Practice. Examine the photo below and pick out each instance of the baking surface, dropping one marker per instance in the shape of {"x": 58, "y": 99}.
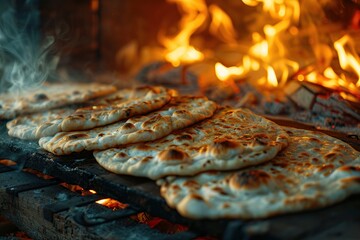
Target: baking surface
{"x": 82, "y": 169}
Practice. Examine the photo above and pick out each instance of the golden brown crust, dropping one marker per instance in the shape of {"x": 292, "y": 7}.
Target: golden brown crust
{"x": 50, "y": 96}
{"x": 231, "y": 139}
{"x": 133, "y": 130}
{"x": 314, "y": 171}
{"x": 123, "y": 104}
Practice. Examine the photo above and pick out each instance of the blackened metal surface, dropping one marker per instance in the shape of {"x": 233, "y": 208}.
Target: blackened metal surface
{"x": 82, "y": 169}
{"x": 5, "y": 169}
{"x": 51, "y": 209}
{"x": 15, "y": 190}
{"x": 86, "y": 219}
{"x": 143, "y": 194}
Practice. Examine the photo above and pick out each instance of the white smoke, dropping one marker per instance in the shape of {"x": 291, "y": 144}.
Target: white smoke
{"x": 25, "y": 59}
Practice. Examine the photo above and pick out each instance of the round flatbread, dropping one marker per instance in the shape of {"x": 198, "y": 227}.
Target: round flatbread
{"x": 314, "y": 171}
{"x": 49, "y": 96}
{"x": 231, "y": 139}
{"x": 98, "y": 112}
{"x": 37, "y": 125}
{"x": 179, "y": 113}
{"x": 123, "y": 104}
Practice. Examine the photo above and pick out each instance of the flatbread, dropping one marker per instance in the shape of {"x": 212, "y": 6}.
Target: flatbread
{"x": 123, "y": 104}
{"x": 231, "y": 139}
{"x": 37, "y": 125}
{"x": 179, "y": 113}
{"x": 98, "y": 112}
{"x": 314, "y": 171}
{"x": 49, "y": 96}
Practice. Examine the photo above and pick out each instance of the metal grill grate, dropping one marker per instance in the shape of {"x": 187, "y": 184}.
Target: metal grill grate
{"x": 143, "y": 195}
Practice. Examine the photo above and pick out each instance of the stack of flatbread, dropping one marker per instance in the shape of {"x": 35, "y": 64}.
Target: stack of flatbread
{"x": 210, "y": 161}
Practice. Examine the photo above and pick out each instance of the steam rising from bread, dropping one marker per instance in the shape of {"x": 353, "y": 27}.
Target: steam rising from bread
{"x": 25, "y": 62}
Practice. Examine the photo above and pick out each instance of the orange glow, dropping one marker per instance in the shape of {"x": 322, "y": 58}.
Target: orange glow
{"x": 268, "y": 60}
{"x": 268, "y": 47}
{"x": 178, "y": 48}
{"x": 221, "y": 25}
{"x": 183, "y": 54}
{"x": 224, "y": 73}
{"x": 271, "y": 77}
{"x": 112, "y": 203}
{"x": 348, "y": 58}
{"x": 331, "y": 80}
{"x": 7, "y": 162}
{"x": 278, "y": 8}
{"x": 260, "y": 48}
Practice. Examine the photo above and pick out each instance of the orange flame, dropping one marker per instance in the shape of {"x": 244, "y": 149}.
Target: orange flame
{"x": 348, "y": 58}
{"x": 223, "y": 73}
{"x": 269, "y": 48}
{"x": 221, "y": 25}
{"x": 112, "y": 203}
{"x": 178, "y": 48}
{"x": 278, "y": 8}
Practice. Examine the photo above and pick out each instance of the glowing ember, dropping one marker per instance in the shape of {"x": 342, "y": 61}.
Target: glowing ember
{"x": 112, "y": 203}
{"x": 7, "y": 162}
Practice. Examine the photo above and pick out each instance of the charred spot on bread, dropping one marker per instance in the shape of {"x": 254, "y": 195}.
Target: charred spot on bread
{"x": 222, "y": 147}
{"x": 152, "y": 120}
{"x": 315, "y": 140}
{"x": 225, "y": 143}
{"x": 128, "y": 126}
{"x": 41, "y": 97}
{"x": 121, "y": 155}
{"x": 128, "y": 112}
{"x": 143, "y": 147}
{"x": 76, "y": 136}
{"x": 191, "y": 184}
{"x": 219, "y": 190}
{"x": 76, "y": 116}
{"x": 330, "y": 156}
{"x": 350, "y": 168}
{"x": 197, "y": 197}
{"x": 173, "y": 155}
{"x": 184, "y": 137}
{"x": 249, "y": 179}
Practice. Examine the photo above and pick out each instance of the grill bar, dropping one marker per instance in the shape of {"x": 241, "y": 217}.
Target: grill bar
{"x": 143, "y": 194}
{"x": 15, "y": 190}
{"x": 51, "y": 209}
{"x": 5, "y": 169}
{"x": 72, "y": 216}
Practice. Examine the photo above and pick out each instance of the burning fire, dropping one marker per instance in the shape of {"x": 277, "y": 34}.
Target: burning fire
{"x": 178, "y": 48}
{"x": 221, "y": 25}
{"x": 349, "y": 62}
{"x": 268, "y": 51}
{"x": 112, "y": 203}
{"x": 265, "y": 56}
{"x": 348, "y": 58}
{"x": 224, "y": 73}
